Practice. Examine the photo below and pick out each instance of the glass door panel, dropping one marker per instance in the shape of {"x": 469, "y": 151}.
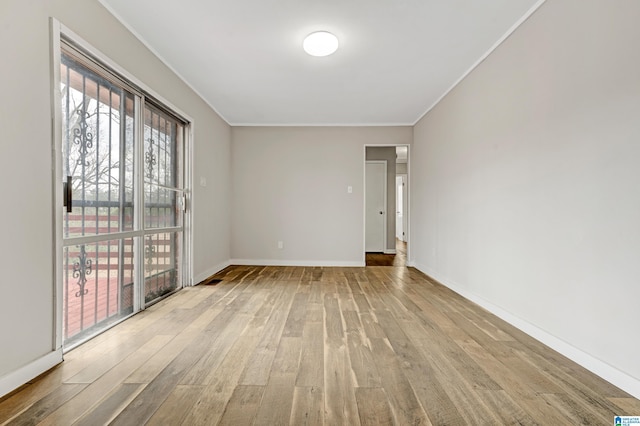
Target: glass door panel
{"x": 98, "y": 145}
{"x": 163, "y": 202}
{"x": 161, "y": 264}
{"x": 98, "y": 286}
{"x": 162, "y": 207}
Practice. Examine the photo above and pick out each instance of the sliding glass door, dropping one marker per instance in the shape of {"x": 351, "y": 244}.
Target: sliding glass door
{"x": 122, "y": 178}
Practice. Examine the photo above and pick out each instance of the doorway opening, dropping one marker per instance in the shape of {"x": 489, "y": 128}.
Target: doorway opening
{"x": 386, "y": 205}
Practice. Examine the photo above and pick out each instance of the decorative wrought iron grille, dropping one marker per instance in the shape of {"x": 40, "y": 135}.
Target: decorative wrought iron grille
{"x": 81, "y": 269}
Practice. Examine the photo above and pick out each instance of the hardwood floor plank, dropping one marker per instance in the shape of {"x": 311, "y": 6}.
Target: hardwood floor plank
{"x": 521, "y": 384}
{"x": 311, "y": 367}
{"x": 361, "y": 303}
{"x": 628, "y": 406}
{"x": 220, "y": 345}
{"x": 404, "y": 405}
{"x": 373, "y": 407}
{"x": 371, "y": 326}
{"x": 308, "y": 406}
{"x": 210, "y": 405}
{"x": 340, "y": 402}
{"x": 295, "y": 321}
{"x": 257, "y": 370}
{"x": 176, "y": 407}
{"x": 576, "y": 389}
{"x": 72, "y": 410}
{"x": 456, "y": 386}
{"x": 334, "y": 331}
{"x": 425, "y": 383}
{"x": 111, "y": 405}
{"x": 315, "y": 292}
{"x": 346, "y": 302}
{"x": 315, "y": 313}
{"x": 501, "y": 404}
{"x": 287, "y": 357}
{"x": 462, "y": 362}
{"x": 242, "y": 406}
{"x": 156, "y": 364}
{"x": 277, "y": 401}
{"x": 565, "y": 370}
{"x": 157, "y": 391}
{"x": 48, "y": 404}
{"x": 363, "y": 366}
{"x": 353, "y": 283}
{"x": 13, "y": 404}
{"x": 577, "y": 412}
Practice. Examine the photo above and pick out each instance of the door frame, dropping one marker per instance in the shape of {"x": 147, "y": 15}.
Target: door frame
{"x": 384, "y": 203}
{"x": 364, "y": 206}
{"x": 57, "y": 32}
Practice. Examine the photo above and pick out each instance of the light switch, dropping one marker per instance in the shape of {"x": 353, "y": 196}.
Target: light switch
{"x": 349, "y": 189}
{"x": 203, "y": 181}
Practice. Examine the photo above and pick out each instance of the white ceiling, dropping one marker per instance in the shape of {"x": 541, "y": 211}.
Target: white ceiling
{"x": 396, "y": 59}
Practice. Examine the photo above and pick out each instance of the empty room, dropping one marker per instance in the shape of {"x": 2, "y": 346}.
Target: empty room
{"x": 364, "y": 213}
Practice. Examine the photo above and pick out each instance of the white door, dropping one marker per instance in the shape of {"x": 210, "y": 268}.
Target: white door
{"x": 399, "y": 208}
{"x": 375, "y": 205}
{"x": 405, "y": 208}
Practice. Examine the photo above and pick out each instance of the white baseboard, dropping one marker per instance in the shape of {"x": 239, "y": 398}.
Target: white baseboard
{"x": 283, "y": 262}
{"x": 211, "y": 271}
{"x": 611, "y": 374}
{"x": 15, "y": 379}
{"x": 390, "y": 251}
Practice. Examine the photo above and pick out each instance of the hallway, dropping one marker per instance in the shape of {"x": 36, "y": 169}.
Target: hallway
{"x": 380, "y": 259}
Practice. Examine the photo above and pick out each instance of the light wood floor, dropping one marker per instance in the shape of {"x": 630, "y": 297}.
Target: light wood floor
{"x": 275, "y": 345}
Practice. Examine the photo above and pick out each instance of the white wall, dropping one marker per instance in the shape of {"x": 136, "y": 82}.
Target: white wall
{"x": 525, "y": 183}
{"x": 26, "y": 307}
{"x": 290, "y": 184}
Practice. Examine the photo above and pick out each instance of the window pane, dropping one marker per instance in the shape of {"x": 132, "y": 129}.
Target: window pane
{"x": 161, "y": 266}
{"x": 163, "y": 137}
{"x": 161, "y": 207}
{"x": 98, "y": 140}
{"x": 98, "y": 286}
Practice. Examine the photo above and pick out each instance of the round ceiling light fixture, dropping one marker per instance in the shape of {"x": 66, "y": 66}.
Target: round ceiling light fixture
{"x": 320, "y": 43}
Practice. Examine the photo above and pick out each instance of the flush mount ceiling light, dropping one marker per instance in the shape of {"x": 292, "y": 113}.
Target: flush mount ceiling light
{"x": 320, "y": 43}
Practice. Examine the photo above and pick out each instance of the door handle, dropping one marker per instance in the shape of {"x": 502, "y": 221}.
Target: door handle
{"x": 67, "y": 194}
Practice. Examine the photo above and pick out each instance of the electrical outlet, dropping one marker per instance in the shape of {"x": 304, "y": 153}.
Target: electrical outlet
{"x": 349, "y": 189}
{"x": 280, "y": 244}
